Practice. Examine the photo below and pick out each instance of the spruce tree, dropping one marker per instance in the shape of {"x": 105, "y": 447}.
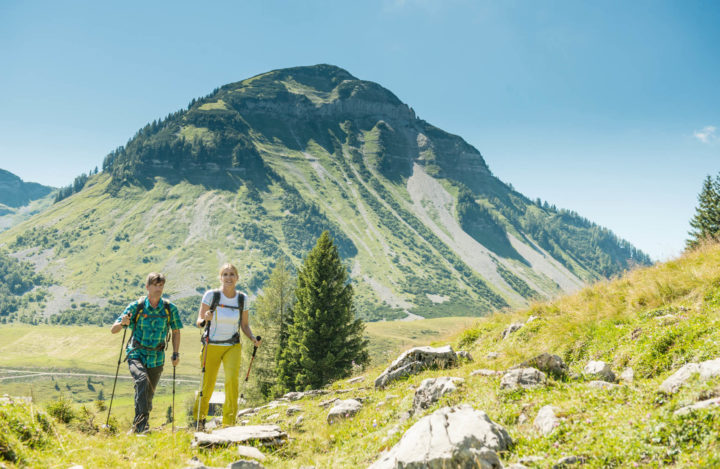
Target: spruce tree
{"x": 706, "y": 221}
{"x": 325, "y": 338}
{"x": 273, "y": 309}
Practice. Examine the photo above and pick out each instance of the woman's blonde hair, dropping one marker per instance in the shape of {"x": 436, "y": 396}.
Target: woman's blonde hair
{"x": 228, "y": 265}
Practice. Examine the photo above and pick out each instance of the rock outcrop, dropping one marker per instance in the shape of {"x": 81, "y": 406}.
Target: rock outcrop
{"x": 523, "y": 377}
{"x": 415, "y": 360}
{"x": 268, "y": 435}
{"x": 432, "y": 389}
{"x": 457, "y": 436}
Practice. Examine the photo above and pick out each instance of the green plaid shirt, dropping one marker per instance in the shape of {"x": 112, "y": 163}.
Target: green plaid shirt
{"x": 150, "y": 331}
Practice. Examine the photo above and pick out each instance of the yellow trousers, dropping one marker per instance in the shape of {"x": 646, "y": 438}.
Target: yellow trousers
{"x": 230, "y": 357}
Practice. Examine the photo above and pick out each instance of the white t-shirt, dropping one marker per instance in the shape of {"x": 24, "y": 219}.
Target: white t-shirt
{"x": 227, "y": 316}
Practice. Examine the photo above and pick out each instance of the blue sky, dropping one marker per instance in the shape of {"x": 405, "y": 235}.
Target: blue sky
{"x": 611, "y": 108}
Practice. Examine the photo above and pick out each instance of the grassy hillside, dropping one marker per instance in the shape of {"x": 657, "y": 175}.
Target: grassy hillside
{"x": 654, "y": 320}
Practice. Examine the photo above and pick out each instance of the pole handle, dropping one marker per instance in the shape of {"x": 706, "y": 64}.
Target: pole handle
{"x": 255, "y": 346}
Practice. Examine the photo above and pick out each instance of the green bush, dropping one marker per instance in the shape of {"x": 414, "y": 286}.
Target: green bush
{"x": 62, "y": 410}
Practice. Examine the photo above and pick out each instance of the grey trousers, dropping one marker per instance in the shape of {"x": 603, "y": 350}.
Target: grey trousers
{"x": 146, "y": 379}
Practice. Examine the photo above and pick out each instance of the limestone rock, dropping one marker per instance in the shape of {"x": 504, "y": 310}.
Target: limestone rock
{"x": 523, "y": 377}
{"x": 465, "y": 355}
{"x": 328, "y": 402}
{"x": 492, "y": 355}
{"x": 709, "y": 369}
{"x": 456, "y": 437}
{"x": 512, "y": 328}
{"x": 599, "y": 370}
{"x": 415, "y": 360}
{"x": 485, "y": 372}
{"x": 268, "y": 435}
{"x": 546, "y": 421}
{"x": 547, "y": 363}
{"x": 356, "y": 379}
{"x": 628, "y": 375}
{"x": 516, "y": 465}
{"x": 245, "y": 464}
{"x": 296, "y": 395}
{"x": 248, "y": 411}
{"x": 432, "y": 389}
{"x": 601, "y": 384}
{"x": 293, "y": 409}
{"x": 673, "y": 383}
{"x": 250, "y": 452}
{"x": 343, "y": 409}
{"x": 568, "y": 461}
{"x": 698, "y": 405}
{"x": 531, "y": 459}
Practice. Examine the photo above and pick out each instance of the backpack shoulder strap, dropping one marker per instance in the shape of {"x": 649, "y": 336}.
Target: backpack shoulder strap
{"x": 139, "y": 309}
{"x": 215, "y": 300}
{"x": 168, "y": 314}
{"x": 241, "y": 308}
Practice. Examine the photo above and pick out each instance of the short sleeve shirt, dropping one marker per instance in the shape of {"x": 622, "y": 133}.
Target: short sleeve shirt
{"x": 150, "y": 331}
{"x": 226, "y": 319}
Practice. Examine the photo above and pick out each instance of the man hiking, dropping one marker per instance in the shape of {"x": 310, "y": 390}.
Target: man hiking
{"x": 150, "y": 318}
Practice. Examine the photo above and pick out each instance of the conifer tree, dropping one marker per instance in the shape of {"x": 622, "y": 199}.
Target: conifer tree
{"x": 706, "y": 221}
{"x": 273, "y": 309}
{"x": 325, "y": 338}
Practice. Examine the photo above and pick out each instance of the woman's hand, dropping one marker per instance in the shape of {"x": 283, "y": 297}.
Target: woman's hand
{"x": 207, "y": 315}
{"x": 257, "y": 341}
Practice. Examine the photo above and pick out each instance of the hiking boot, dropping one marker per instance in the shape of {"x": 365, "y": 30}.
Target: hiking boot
{"x": 201, "y": 425}
{"x": 137, "y": 431}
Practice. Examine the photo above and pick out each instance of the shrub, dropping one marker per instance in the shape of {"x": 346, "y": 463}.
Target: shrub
{"x": 62, "y": 410}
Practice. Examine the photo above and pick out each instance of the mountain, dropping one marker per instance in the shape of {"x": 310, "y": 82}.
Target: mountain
{"x": 19, "y": 200}
{"x": 259, "y": 168}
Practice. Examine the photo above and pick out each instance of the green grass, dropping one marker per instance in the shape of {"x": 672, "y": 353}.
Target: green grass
{"x": 623, "y": 322}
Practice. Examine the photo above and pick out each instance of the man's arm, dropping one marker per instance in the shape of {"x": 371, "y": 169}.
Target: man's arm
{"x": 176, "y": 346}
{"x": 118, "y": 325}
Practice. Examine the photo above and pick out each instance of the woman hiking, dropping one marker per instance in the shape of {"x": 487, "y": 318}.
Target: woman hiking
{"x": 223, "y": 313}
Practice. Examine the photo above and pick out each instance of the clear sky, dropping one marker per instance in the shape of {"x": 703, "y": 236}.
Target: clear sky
{"x": 608, "y": 108}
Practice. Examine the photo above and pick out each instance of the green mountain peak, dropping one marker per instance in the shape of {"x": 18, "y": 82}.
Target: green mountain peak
{"x": 257, "y": 169}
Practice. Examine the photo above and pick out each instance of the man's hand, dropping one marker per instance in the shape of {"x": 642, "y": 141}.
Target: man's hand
{"x": 125, "y": 320}
{"x": 175, "y": 358}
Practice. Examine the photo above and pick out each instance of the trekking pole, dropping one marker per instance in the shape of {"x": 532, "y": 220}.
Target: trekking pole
{"x": 242, "y": 394}
{"x": 173, "y": 407}
{"x": 117, "y": 370}
{"x": 202, "y": 380}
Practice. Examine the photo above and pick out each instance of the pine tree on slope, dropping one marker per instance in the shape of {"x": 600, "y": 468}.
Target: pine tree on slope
{"x": 706, "y": 221}
{"x": 325, "y": 337}
{"x": 273, "y": 309}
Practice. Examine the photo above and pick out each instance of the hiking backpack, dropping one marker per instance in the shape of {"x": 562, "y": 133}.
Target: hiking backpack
{"x": 205, "y": 337}
{"x": 132, "y": 341}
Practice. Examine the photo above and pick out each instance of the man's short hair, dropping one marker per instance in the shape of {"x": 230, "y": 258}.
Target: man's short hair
{"x": 154, "y": 278}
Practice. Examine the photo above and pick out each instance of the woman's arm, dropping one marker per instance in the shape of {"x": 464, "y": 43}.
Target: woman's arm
{"x": 245, "y": 326}
{"x": 204, "y": 314}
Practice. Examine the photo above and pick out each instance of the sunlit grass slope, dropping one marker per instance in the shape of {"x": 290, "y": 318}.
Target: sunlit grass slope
{"x": 653, "y": 320}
